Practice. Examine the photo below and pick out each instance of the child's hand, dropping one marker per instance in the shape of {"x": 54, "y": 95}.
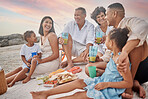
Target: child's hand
{"x": 101, "y": 85}
{"x": 29, "y": 60}
{"x": 28, "y": 64}
{"x": 84, "y": 54}
{"x": 87, "y": 58}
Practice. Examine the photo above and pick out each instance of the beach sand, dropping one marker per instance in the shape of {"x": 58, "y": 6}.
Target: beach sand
{"x": 10, "y": 59}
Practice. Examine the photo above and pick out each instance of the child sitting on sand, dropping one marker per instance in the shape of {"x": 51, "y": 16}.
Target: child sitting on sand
{"x": 29, "y": 63}
{"x": 110, "y": 85}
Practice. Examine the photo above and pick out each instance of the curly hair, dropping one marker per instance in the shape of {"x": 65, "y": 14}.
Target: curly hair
{"x": 96, "y": 12}
{"x": 120, "y": 36}
{"x": 27, "y": 34}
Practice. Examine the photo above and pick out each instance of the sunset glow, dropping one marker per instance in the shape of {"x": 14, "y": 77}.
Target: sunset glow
{"x": 17, "y": 16}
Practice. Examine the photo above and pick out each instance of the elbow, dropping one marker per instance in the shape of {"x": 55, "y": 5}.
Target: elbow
{"x": 56, "y": 55}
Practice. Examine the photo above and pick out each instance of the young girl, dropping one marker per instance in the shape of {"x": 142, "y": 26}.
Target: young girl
{"x": 109, "y": 86}
{"x": 29, "y": 63}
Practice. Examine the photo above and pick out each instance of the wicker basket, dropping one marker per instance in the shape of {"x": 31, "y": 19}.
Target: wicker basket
{"x": 3, "y": 84}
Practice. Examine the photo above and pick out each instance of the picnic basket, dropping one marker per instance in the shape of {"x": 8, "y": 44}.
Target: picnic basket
{"x": 3, "y": 84}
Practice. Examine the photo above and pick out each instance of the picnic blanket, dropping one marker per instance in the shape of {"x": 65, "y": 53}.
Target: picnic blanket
{"x": 22, "y": 91}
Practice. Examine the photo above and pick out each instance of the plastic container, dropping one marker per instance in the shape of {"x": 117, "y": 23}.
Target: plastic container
{"x": 92, "y": 71}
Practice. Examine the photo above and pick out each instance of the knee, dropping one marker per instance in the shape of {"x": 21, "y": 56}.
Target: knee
{"x": 79, "y": 81}
{"x": 86, "y": 70}
{"x": 34, "y": 60}
{"x": 25, "y": 70}
{"x": 19, "y": 69}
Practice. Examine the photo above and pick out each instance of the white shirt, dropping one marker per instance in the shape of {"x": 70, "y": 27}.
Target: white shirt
{"x": 84, "y": 36}
{"x": 138, "y": 28}
{"x": 27, "y": 51}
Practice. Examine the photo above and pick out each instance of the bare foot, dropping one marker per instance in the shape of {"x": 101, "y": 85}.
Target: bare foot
{"x": 11, "y": 84}
{"x": 38, "y": 95}
{"x": 26, "y": 79}
{"x": 64, "y": 64}
{"x": 128, "y": 94}
{"x": 70, "y": 65}
{"x": 138, "y": 88}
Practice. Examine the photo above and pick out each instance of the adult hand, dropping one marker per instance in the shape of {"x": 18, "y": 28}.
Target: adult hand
{"x": 101, "y": 85}
{"x": 96, "y": 41}
{"x": 84, "y": 54}
{"x": 97, "y": 58}
{"x": 61, "y": 40}
{"x": 87, "y": 58}
{"x": 122, "y": 62}
{"x": 103, "y": 39}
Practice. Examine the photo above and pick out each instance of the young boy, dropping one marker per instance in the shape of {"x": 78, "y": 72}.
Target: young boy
{"x": 29, "y": 63}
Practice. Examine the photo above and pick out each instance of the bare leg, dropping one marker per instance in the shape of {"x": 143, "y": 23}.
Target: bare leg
{"x": 78, "y": 95}
{"x": 20, "y": 76}
{"x": 13, "y": 72}
{"x": 32, "y": 68}
{"x": 77, "y": 84}
{"x": 68, "y": 51}
{"x": 9, "y": 79}
{"x": 100, "y": 66}
{"x": 136, "y": 56}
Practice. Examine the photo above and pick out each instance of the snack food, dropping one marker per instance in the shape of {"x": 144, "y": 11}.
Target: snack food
{"x": 57, "y": 78}
{"x": 63, "y": 78}
{"x": 75, "y": 70}
{"x": 55, "y": 72}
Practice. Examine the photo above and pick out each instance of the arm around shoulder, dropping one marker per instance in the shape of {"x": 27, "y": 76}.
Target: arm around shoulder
{"x": 127, "y": 80}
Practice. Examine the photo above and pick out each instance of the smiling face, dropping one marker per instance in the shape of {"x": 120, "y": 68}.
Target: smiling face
{"x": 101, "y": 18}
{"x": 110, "y": 17}
{"x": 32, "y": 38}
{"x": 79, "y": 16}
{"x": 47, "y": 25}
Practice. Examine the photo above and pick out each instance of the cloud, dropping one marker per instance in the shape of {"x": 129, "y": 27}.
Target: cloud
{"x": 62, "y": 11}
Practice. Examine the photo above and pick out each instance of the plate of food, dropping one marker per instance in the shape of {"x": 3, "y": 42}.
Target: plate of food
{"x": 57, "y": 78}
{"x": 66, "y": 77}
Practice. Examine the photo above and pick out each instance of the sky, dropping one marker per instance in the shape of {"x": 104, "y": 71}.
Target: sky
{"x": 18, "y": 16}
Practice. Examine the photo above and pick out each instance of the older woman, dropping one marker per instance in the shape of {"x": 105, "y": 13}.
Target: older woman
{"x": 98, "y": 15}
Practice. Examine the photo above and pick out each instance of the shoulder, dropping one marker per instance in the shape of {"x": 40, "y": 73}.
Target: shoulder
{"x": 23, "y": 46}
{"x": 70, "y": 23}
{"x": 36, "y": 45}
{"x": 52, "y": 36}
{"x": 89, "y": 25}
{"x": 135, "y": 20}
